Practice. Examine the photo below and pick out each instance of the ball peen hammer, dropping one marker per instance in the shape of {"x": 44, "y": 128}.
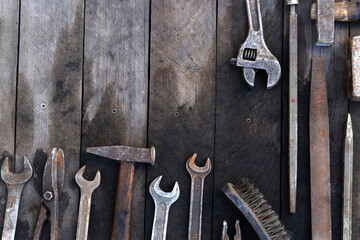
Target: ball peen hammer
{"x": 128, "y": 156}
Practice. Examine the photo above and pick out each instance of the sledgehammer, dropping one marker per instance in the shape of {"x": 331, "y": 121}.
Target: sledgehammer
{"x": 124, "y": 193}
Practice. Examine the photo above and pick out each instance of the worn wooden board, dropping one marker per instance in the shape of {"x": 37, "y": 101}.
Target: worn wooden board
{"x": 334, "y": 56}
{"x": 49, "y": 104}
{"x": 182, "y": 103}
{"x": 248, "y": 121}
{"x": 115, "y": 101}
{"x": 9, "y": 28}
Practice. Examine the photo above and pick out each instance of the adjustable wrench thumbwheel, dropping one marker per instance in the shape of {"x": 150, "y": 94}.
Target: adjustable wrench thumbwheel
{"x": 163, "y": 201}
{"x": 86, "y": 188}
{"x": 15, "y": 183}
{"x": 198, "y": 175}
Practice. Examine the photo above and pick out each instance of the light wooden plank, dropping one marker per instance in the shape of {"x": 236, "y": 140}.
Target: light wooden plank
{"x": 9, "y": 27}
{"x": 115, "y": 101}
{"x": 49, "y": 104}
{"x": 182, "y": 104}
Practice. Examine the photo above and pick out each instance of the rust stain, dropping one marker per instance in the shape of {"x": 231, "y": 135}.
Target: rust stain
{"x": 323, "y": 133}
{"x": 314, "y": 147}
{"x": 293, "y": 100}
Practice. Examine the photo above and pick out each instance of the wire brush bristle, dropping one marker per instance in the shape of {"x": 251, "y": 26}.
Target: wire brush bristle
{"x": 257, "y": 211}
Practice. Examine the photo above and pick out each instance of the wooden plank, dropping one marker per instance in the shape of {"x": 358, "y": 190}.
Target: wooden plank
{"x": 354, "y": 109}
{"x": 9, "y": 28}
{"x": 182, "y": 103}
{"x": 115, "y": 101}
{"x": 49, "y": 104}
{"x": 299, "y": 224}
{"x": 248, "y": 121}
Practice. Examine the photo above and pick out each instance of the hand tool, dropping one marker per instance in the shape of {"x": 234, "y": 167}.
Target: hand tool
{"x": 253, "y": 53}
{"x": 348, "y": 181}
{"x": 343, "y": 11}
{"x": 250, "y": 201}
{"x": 128, "y": 156}
{"x": 353, "y": 67}
{"x": 53, "y": 181}
{"x": 293, "y": 103}
{"x": 15, "y": 183}
{"x": 86, "y": 188}
{"x": 163, "y": 201}
{"x": 225, "y": 236}
{"x": 326, "y": 12}
{"x": 198, "y": 175}
{"x": 319, "y": 154}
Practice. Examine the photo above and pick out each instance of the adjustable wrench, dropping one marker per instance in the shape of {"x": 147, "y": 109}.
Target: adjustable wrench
{"x": 87, "y": 188}
{"x": 198, "y": 175}
{"x": 163, "y": 201}
{"x": 15, "y": 183}
{"x": 253, "y": 53}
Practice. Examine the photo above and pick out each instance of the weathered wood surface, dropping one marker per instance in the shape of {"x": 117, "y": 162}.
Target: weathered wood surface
{"x": 248, "y": 121}
{"x": 193, "y": 100}
{"x": 49, "y": 104}
{"x": 9, "y": 28}
{"x": 115, "y": 101}
{"x": 182, "y": 103}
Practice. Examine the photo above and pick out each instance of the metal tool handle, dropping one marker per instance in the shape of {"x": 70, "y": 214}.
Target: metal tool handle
{"x": 12, "y": 210}
{"x": 40, "y": 222}
{"x": 196, "y": 204}
{"x": 84, "y": 216}
{"x": 160, "y": 221}
{"x": 254, "y": 15}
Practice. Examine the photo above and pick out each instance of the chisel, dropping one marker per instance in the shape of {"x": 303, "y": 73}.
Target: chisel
{"x": 319, "y": 154}
{"x": 348, "y": 181}
{"x": 293, "y": 101}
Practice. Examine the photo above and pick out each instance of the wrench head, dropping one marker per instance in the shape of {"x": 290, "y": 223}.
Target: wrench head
{"x": 163, "y": 197}
{"x": 193, "y": 169}
{"x": 16, "y": 178}
{"x": 86, "y": 185}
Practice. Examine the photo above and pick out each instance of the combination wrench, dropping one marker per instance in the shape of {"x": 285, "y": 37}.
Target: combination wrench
{"x": 86, "y": 188}
{"x": 198, "y": 175}
{"x": 15, "y": 183}
{"x": 163, "y": 201}
{"x": 253, "y": 53}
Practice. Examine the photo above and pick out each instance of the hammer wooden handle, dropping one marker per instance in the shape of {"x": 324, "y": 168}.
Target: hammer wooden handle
{"x": 344, "y": 11}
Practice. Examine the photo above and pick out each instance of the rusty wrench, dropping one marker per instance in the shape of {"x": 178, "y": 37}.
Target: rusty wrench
{"x": 225, "y": 236}
{"x": 198, "y": 175}
{"x": 86, "y": 188}
{"x": 163, "y": 201}
{"x": 253, "y": 53}
{"x": 15, "y": 183}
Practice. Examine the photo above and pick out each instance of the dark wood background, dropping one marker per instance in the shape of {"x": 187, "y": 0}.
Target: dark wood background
{"x": 157, "y": 73}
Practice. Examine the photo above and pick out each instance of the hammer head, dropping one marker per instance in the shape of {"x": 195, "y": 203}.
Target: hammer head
{"x": 125, "y": 153}
{"x": 353, "y": 67}
{"x": 325, "y": 24}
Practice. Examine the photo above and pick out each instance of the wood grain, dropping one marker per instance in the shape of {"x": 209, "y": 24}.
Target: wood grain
{"x": 182, "y": 103}
{"x": 9, "y": 28}
{"x": 248, "y": 121}
{"x": 115, "y": 101}
{"x": 49, "y": 104}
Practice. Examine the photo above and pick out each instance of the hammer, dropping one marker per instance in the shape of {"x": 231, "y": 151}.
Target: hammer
{"x": 128, "y": 157}
{"x": 326, "y": 12}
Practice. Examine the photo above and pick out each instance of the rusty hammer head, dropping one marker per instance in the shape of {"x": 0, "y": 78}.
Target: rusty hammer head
{"x": 323, "y": 12}
{"x": 125, "y": 153}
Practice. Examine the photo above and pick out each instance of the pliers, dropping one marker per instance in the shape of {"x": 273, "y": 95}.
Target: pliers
{"x": 53, "y": 181}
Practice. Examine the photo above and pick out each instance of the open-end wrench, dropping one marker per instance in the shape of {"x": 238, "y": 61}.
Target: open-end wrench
{"x": 253, "y": 53}
{"x": 198, "y": 175}
{"x": 163, "y": 201}
{"x": 15, "y": 183}
{"x": 86, "y": 188}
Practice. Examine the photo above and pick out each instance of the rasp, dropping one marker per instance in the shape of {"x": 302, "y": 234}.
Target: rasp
{"x": 293, "y": 102}
{"x": 319, "y": 154}
{"x": 348, "y": 181}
